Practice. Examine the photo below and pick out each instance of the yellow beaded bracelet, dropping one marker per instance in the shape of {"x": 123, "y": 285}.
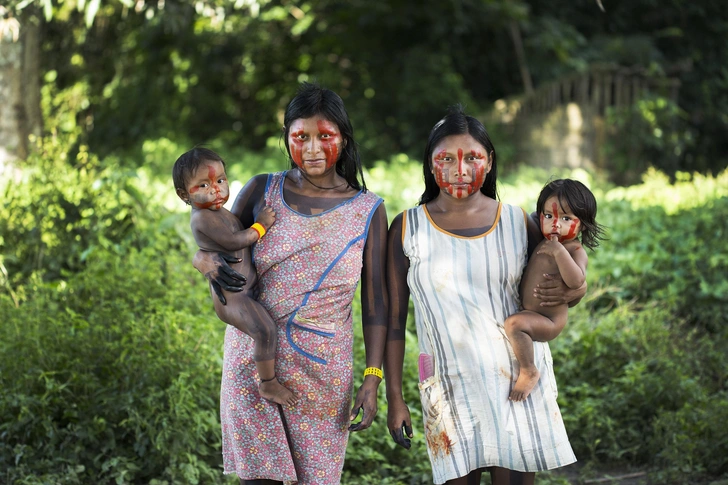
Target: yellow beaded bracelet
{"x": 373, "y": 371}
{"x": 259, "y": 229}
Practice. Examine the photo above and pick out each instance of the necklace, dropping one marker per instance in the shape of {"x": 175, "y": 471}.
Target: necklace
{"x": 318, "y": 186}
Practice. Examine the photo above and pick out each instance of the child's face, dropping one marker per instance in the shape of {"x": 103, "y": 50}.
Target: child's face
{"x": 558, "y": 220}
{"x": 315, "y": 144}
{"x": 460, "y": 164}
{"x": 208, "y": 186}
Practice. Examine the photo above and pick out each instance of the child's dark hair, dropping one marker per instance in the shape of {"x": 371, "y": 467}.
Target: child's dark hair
{"x": 456, "y": 122}
{"x": 312, "y": 100}
{"x": 188, "y": 162}
{"x": 581, "y": 202}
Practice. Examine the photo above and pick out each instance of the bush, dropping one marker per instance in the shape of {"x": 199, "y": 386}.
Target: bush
{"x": 672, "y": 251}
{"x": 112, "y": 376}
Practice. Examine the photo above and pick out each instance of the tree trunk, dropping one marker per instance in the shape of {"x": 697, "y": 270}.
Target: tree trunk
{"x": 521, "y": 57}
{"x": 20, "y": 112}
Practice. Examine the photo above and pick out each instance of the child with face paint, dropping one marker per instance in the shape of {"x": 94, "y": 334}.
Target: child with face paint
{"x": 330, "y": 234}
{"x": 567, "y": 212}
{"x": 459, "y": 256}
{"x": 200, "y": 181}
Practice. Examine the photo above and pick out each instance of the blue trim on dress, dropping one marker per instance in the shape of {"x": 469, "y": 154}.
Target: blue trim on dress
{"x": 290, "y": 322}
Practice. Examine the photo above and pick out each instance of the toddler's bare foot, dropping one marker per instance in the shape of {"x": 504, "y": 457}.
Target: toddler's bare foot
{"x": 527, "y": 380}
{"x": 276, "y": 392}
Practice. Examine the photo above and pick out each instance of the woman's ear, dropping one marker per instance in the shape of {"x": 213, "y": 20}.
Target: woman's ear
{"x": 490, "y": 161}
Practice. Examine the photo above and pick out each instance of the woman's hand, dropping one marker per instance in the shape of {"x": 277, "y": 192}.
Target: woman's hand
{"x": 366, "y": 400}
{"x": 554, "y": 292}
{"x": 216, "y": 268}
{"x": 399, "y": 423}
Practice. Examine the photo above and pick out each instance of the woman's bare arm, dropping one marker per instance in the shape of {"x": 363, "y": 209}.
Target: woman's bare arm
{"x": 374, "y": 302}
{"x": 398, "y": 416}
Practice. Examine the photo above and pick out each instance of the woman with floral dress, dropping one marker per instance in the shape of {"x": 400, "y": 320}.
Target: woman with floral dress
{"x": 330, "y": 233}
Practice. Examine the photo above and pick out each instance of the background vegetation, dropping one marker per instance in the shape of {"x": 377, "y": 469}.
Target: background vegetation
{"x": 110, "y": 353}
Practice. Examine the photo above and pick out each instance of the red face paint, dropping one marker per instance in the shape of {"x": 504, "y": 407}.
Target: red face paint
{"x": 295, "y": 144}
{"x": 330, "y": 140}
{"x": 555, "y": 220}
{"x": 560, "y": 223}
{"x": 460, "y": 176}
{"x": 208, "y": 187}
{"x": 572, "y": 230}
{"x": 314, "y": 142}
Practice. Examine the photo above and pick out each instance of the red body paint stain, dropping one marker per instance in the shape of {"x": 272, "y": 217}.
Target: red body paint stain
{"x": 440, "y": 443}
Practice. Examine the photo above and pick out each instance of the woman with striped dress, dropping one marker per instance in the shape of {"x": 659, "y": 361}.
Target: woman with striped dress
{"x": 460, "y": 255}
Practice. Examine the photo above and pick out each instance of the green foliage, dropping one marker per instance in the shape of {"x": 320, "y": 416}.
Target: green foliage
{"x": 672, "y": 252}
{"x": 650, "y": 133}
{"x": 65, "y": 207}
{"x": 110, "y": 376}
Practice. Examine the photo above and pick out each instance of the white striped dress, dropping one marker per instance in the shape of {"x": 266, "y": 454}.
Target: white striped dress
{"x": 463, "y": 289}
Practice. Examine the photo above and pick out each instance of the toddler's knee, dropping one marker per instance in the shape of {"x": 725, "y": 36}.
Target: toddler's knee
{"x": 265, "y": 333}
{"x": 512, "y": 323}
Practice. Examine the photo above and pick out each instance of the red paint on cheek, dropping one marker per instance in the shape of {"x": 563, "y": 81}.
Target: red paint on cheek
{"x": 329, "y": 145}
{"x": 478, "y": 178}
{"x": 295, "y": 145}
{"x": 572, "y": 230}
{"x": 194, "y": 189}
{"x": 441, "y": 173}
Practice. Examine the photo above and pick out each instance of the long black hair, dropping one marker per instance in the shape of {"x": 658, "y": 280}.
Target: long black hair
{"x": 456, "y": 122}
{"x": 582, "y": 203}
{"x": 312, "y": 100}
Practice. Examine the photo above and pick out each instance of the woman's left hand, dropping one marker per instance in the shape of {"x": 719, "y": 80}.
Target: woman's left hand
{"x": 554, "y": 292}
{"x": 366, "y": 400}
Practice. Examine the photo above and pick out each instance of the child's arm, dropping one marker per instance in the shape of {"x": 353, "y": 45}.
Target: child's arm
{"x": 216, "y": 230}
{"x": 571, "y": 263}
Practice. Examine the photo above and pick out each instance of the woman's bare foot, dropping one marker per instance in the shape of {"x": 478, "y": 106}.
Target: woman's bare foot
{"x": 276, "y": 392}
{"x": 527, "y": 380}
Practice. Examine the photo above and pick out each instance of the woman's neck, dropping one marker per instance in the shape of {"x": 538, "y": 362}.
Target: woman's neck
{"x": 445, "y": 203}
{"x": 320, "y": 185}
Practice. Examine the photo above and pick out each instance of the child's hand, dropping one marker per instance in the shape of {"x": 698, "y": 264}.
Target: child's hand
{"x": 551, "y": 247}
{"x": 266, "y": 216}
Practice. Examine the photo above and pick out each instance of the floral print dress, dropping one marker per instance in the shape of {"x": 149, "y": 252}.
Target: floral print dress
{"x": 308, "y": 268}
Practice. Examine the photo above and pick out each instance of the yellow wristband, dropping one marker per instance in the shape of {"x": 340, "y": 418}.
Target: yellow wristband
{"x": 373, "y": 371}
{"x": 259, "y": 229}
